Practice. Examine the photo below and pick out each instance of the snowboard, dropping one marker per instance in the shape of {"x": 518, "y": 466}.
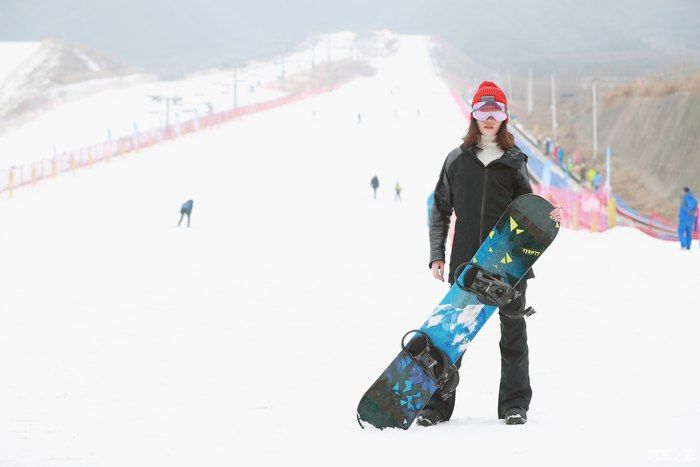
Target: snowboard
{"x": 426, "y": 361}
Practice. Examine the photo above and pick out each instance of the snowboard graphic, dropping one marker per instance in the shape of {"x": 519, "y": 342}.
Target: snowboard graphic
{"x": 425, "y": 363}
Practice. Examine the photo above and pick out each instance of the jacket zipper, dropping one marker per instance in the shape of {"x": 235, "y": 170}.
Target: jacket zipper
{"x": 483, "y": 198}
{"x": 483, "y": 201}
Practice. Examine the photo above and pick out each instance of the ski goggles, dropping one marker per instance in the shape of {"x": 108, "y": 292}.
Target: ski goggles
{"x": 489, "y": 108}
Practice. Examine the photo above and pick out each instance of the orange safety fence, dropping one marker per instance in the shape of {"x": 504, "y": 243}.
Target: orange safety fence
{"x": 70, "y": 161}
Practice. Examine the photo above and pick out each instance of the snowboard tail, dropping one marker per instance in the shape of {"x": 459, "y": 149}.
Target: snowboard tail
{"x": 518, "y": 239}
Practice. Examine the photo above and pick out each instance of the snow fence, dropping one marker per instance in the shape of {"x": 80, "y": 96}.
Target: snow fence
{"x": 105, "y": 151}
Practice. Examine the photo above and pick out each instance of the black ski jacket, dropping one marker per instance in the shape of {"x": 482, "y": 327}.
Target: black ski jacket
{"x": 478, "y": 195}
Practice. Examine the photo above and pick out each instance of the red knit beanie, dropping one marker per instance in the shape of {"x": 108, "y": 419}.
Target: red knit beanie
{"x": 489, "y": 88}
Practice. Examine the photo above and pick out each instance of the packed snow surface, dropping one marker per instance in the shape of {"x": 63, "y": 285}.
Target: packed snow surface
{"x": 249, "y": 338}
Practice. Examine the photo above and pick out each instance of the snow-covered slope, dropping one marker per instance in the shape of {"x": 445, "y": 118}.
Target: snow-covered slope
{"x": 249, "y": 338}
{"x": 103, "y": 107}
{"x": 13, "y": 55}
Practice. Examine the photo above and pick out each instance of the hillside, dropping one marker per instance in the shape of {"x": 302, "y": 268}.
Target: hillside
{"x": 653, "y": 127}
{"x": 52, "y": 72}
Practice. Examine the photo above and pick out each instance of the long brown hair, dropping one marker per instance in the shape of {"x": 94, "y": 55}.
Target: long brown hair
{"x": 504, "y": 138}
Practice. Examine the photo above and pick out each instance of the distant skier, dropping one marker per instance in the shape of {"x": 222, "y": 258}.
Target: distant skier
{"x": 397, "y": 192}
{"x": 186, "y": 209}
{"x": 374, "y": 183}
{"x": 686, "y": 218}
{"x": 560, "y": 157}
{"x": 590, "y": 177}
{"x": 478, "y": 180}
{"x": 359, "y": 117}
{"x": 596, "y": 180}
{"x": 582, "y": 174}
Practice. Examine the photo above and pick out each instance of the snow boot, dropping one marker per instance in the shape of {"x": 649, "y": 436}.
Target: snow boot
{"x": 429, "y": 417}
{"x": 515, "y": 416}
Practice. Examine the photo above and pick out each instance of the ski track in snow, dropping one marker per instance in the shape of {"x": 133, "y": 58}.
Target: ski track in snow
{"x": 249, "y": 338}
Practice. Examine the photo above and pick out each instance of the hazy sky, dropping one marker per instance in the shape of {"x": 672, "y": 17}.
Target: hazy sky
{"x": 171, "y": 37}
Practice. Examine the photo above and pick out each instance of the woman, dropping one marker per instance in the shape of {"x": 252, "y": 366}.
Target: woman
{"x": 478, "y": 180}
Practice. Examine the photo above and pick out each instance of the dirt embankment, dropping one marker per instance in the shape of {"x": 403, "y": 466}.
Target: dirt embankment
{"x": 653, "y": 127}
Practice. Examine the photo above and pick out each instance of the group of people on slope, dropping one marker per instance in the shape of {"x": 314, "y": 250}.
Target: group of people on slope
{"x": 374, "y": 183}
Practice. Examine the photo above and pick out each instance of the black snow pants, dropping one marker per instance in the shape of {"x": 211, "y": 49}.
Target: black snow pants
{"x": 514, "y": 390}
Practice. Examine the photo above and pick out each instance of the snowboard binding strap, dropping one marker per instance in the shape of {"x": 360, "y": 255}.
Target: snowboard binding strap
{"x": 489, "y": 288}
{"x": 527, "y": 312}
{"x": 434, "y": 362}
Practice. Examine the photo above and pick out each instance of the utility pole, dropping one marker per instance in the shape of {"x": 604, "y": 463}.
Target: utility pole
{"x": 608, "y": 169}
{"x": 235, "y": 87}
{"x": 554, "y": 111}
{"x": 594, "y": 97}
{"x": 167, "y": 100}
{"x": 313, "y": 59}
{"x": 510, "y": 88}
{"x": 328, "y": 43}
{"x": 282, "y": 70}
{"x": 529, "y": 91}
{"x": 595, "y": 120}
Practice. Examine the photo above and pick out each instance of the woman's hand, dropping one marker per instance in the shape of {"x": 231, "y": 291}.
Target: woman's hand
{"x": 557, "y": 214}
{"x": 438, "y": 268}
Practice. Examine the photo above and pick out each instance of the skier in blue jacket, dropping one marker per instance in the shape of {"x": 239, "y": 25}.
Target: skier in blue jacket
{"x": 686, "y": 218}
{"x": 186, "y": 210}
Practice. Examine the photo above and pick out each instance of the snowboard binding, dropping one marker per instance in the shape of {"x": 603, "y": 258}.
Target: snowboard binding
{"x": 434, "y": 362}
{"x": 489, "y": 288}
{"x": 527, "y": 312}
